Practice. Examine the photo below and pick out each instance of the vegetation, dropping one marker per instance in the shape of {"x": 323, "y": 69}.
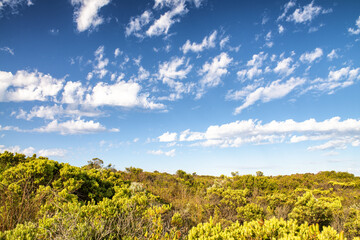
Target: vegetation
{"x": 44, "y": 199}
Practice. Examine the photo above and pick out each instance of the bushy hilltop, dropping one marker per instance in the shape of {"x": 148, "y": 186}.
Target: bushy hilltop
{"x": 44, "y": 199}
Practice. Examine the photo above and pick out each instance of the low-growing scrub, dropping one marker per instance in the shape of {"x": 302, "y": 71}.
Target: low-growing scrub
{"x": 44, "y": 199}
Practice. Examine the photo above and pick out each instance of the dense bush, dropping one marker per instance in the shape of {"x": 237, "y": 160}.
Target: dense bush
{"x": 44, "y": 199}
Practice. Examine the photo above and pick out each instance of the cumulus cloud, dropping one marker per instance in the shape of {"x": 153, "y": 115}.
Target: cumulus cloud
{"x": 336, "y": 79}
{"x": 122, "y": 94}
{"x": 284, "y": 67}
{"x": 54, "y": 152}
{"x": 168, "y": 137}
{"x": 275, "y": 90}
{"x": 163, "y": 23}
{"x": 212, "y": 72}
{"x": 337, "y": 133}
{"x": 169, "y": 72}
{"x": 137, "y": 23}
{"x": 207, "y": 42}
{"x": 52, "y": 112}
{"x": 28, "y": 86}
{"x": 72, "y": 127}
{"x": 311, "y": 56}
{"x": 306, "y": 14}
{"x": 170, "y": 153}
{"x": 254, "y": 67}
{"x": 73, "y": 93}
{"x": 100, "y": 64}
{"x": 86, "y": 13}
{"x": 355, "y": 31}
{"x": 17, "y": 149}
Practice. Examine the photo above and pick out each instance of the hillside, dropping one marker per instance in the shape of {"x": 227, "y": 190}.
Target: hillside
{"x": 45, "y": 199}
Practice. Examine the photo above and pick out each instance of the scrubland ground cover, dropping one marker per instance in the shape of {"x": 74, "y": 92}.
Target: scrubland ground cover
{"x": 44, "y": 199}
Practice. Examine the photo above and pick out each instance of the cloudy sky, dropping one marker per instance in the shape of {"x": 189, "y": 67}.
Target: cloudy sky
{"x": 207, "y": 86}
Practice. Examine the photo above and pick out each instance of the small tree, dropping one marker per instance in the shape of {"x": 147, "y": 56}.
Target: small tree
{"x": 96, "y": 163}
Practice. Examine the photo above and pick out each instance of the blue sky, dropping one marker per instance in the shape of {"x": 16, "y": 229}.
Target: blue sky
{"x": 206, "y": 86}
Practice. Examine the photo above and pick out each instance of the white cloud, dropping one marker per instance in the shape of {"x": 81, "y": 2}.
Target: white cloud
{"x": 172, "y": 3}
{"x": 212, "y": 72}
{"x": 86, "y": 13}
{"x": 254, "y": 67}
{"x": 281, "y": 29}
{"x": 28, "y": 86}
{"x": 287, "y": 7}
{"x": 137, "y": 23}
{"x": 224, "y": 41}
{"x": 143, "y": 74}
{"x": 355, "y": 31}
{"x": 332, "y": 55}
{"x": 257, "y": 59}
{"x": 341, "y": 78}
{"x": 8, "y": 50}
{"x": 55, "y": 152}
{"x": 13, "y": 5}
{"x": 306, "y": 14}
{"x": 170, "y": 71}
{"x": 274, "y": 91}
{"x": 168, "y": 137}
{"x": 72, "y": 127}
{"x": 330, "y": 145}
{"x": 10, "y": 128}
{"x": 122, "y": 94}
{"x": 311, "y": 56}
{"x": 284, "y": 67}
{"x": 51, "y": 112}
{"x": 207, "y": 42}
{"x": 100, "y": 64}
{"x": 338, "y": 133}
{"x": 117, "y": 52}
{"x": 17, "y": 149}
{"x": 250, "y": 73}
{"x": 170, "y": 153}
{"x": 162, "y": 25}
{"x": 73, "y": 93}
{"x": 241, "y": 94}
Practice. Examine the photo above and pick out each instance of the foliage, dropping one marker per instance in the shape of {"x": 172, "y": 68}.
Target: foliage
{"x": 44, "y": 199}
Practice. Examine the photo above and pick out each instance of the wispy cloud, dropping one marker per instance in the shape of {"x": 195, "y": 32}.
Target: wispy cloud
{"x": 207, "y": 42}
{"x": 275, "y": 90}
{"x": 8, "y": 50}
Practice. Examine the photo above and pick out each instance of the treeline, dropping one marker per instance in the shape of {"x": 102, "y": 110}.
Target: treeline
{"x": 44, "y": 199}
